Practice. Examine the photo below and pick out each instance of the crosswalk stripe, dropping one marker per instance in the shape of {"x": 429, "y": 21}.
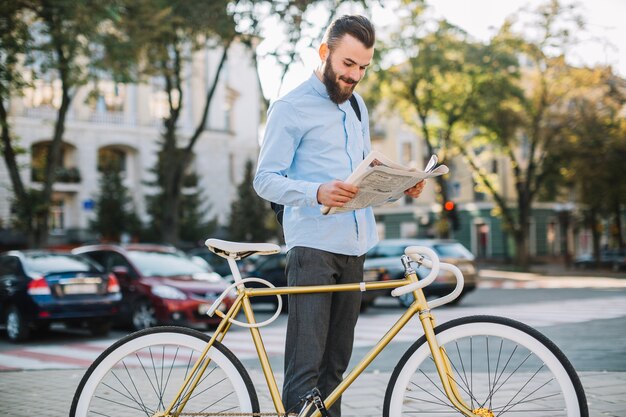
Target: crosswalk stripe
{"x": 368, "y": 331}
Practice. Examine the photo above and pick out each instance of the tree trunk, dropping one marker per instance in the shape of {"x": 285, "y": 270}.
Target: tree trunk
{"x": 619, "y": 237}
{"x": 595, "y": 235}
{"x": 522, "y": 258}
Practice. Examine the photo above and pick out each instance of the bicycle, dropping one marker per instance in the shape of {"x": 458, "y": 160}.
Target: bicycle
{"x": 473, "y": 366}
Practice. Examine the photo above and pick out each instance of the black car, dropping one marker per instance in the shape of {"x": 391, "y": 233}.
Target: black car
{"x": 272, "y": 269}
{"x": 38, "y": 288}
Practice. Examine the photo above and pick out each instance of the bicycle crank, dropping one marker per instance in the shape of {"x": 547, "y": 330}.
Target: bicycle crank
{"x": 483, "y": 412}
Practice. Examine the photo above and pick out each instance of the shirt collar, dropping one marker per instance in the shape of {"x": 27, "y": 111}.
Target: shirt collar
{"x": 318, "y": 86}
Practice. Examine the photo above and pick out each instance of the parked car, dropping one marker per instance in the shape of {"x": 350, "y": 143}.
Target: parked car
{"x": 219, "y": 264}
{"x": 38, "y": 288}
{"x": 609, "y": 258}
{"x": 272, "y": 269}
{"x": 385, "y": 259}
{"x": 160, "y": 285}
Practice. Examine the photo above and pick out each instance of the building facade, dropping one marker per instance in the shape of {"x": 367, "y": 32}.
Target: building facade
{"x": 123, "y": 122}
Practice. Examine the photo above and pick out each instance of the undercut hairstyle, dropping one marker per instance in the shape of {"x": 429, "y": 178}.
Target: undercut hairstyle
{"x": 357, "y": 26}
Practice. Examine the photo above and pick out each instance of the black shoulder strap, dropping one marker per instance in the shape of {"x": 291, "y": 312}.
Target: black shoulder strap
{"x": 355, "y": 106}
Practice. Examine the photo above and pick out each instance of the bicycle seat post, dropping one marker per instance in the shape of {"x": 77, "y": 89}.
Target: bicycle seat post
{"x": 234, "y": 269}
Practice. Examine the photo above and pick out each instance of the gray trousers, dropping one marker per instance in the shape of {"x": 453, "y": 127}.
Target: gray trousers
{"x": 320, "y": 329}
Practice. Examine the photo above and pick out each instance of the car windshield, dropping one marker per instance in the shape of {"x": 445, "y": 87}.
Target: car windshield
{"x": 452, "y": 250}
{"x": 385, "y": 251}
{"x": 443, "y": 249}
{"x": 48, "y": 263}
{"x": 164, "y": 264}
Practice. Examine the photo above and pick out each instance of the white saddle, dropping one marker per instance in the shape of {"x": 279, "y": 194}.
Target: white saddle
{"x": 240, "y": 250}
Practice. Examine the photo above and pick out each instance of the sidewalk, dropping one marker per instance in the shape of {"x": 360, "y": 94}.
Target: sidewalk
{"x": 50, "y": 393}
{"x": 549, "y": 276}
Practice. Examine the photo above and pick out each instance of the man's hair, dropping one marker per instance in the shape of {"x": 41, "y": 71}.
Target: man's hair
{"x": 357, "y": 26}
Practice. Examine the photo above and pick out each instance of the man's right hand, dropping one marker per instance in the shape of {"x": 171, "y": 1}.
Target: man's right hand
{"x": 336, "y": 193}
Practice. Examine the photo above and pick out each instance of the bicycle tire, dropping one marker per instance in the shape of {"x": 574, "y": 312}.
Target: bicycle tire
{"x": 142, "y": 372}
{"x": 499, "y": 364}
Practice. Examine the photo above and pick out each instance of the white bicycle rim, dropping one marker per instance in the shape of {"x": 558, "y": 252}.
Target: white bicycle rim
{"x": 158, "y": 339}
{"x": 447, "y": 336}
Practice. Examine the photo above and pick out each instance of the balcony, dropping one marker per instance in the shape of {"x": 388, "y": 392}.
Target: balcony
{"x": 63, "y": 175}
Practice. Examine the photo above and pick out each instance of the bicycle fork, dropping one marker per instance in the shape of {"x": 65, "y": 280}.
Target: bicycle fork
{"x": 440, "y": 357}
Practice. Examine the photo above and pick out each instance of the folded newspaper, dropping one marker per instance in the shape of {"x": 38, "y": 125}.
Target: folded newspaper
{"x": 381, "y": 180}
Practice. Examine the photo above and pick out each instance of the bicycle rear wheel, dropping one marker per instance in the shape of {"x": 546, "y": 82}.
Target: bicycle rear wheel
{"x": 500, "y": 366}
{"x": 140, "y": 374}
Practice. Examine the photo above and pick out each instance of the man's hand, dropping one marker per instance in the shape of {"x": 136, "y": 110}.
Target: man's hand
{"x": 416, "y": 190}
{"x": 336, "y": 193}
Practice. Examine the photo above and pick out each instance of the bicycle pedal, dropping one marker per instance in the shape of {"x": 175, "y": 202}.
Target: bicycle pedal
{"x": 313, "y": 398}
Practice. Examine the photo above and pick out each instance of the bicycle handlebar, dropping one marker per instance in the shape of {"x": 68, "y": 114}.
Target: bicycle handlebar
{"x": 417, "y": 253}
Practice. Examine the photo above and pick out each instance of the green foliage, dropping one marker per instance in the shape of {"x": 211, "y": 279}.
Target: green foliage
{"x": 193, "y": 227}
{"x": 114, "y": 209}
{"x": 249, "y": 213}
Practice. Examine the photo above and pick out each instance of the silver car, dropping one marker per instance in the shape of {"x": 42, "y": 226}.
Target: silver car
{"x": 385, "y": 258}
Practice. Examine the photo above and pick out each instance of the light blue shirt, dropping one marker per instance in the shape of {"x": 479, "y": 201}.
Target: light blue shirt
{"x": 309, "y": 140}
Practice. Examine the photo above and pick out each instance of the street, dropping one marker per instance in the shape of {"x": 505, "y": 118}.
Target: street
{"x": 586, "y": 323}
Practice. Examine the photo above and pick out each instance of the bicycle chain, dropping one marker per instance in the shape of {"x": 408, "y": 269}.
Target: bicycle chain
{"x": 239, "y": 414}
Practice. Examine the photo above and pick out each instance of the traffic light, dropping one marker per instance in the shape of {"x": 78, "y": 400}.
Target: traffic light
{"x": 452, "y": 215}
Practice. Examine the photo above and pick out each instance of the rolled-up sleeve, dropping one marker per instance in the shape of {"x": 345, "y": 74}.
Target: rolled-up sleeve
{"x": 282, "y": 136}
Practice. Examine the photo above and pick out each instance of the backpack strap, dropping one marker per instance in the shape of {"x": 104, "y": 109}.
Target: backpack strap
{"x": 355, "y": 106}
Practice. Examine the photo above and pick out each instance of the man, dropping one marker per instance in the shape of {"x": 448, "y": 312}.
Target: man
{"x": 314, "y": 140}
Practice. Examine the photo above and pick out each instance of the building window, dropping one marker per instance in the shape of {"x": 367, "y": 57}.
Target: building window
{"x": 407, "y": 153}
{"x": 107, "y": 97}
{"x": 494, "y": 166}
{"x": 111, "y": 159}
{"x": 56, "y": 219}
{"x": 408, "y": 229}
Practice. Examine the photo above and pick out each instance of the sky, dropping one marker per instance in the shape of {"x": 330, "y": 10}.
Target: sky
{"x": 605, "y": 20}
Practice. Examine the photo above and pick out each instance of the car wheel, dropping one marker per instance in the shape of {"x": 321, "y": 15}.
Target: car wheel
{"x": 17, "y": 327}
{"x": 99, "y": 328}
{"x": 144, "y": 315}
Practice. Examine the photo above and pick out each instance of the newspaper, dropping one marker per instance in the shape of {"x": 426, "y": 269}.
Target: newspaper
{"x": 381, "y": 180}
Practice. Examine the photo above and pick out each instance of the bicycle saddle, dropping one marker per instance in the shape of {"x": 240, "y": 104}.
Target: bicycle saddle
{"x": 239, "y": 250}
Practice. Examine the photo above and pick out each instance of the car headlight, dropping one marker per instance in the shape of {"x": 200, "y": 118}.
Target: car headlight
{"x": 171, "y": 293}
{"x": 467, "y": 269}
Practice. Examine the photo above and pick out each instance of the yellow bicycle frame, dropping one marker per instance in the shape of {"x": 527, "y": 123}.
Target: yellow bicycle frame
{"x": 419, "y": 307}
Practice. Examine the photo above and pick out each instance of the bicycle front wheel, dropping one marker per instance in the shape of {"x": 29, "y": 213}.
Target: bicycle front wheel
{"x": 141, "y": 374}
{"x": 501, "y": 367}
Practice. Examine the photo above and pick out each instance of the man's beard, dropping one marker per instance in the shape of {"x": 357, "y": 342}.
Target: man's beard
{"x": 337, "y": 93}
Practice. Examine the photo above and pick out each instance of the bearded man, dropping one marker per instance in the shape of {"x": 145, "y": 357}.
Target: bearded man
{"x": 313, "y": 139}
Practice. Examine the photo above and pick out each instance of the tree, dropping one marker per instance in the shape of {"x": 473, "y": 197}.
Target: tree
{"x": 592, "y": 150}
{"x": 523, "y": 127}
{"x": 163, "y": 37}
{"x": 115, "y": 213}
{"x": 250, "y": 214}
{"x": 434, "y": 87}
{"x": 55, "y": 40}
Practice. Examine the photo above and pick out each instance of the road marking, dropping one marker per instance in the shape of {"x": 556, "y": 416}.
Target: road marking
{"x": 549, "y": 313}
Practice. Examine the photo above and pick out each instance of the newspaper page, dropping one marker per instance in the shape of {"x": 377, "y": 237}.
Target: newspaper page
{"x": 381, "y": 180}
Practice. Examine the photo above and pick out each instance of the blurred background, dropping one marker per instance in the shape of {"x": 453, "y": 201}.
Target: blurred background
{"x": 140, "y": 121}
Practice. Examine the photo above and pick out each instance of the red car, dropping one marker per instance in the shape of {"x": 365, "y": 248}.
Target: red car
{"x": 160, "y": 285}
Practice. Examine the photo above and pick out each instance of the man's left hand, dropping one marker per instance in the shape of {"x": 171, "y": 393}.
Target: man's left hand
{"x": 416, "y": 190}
